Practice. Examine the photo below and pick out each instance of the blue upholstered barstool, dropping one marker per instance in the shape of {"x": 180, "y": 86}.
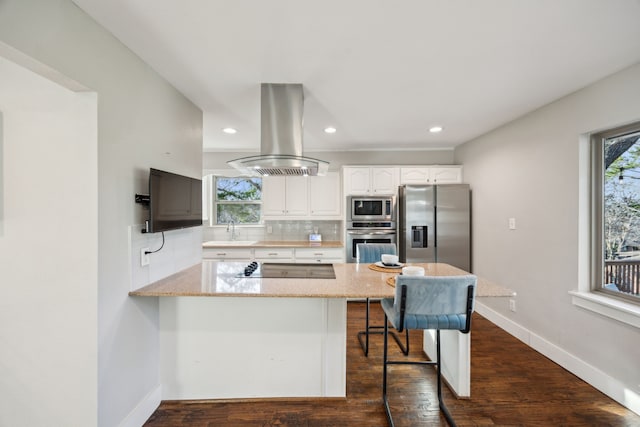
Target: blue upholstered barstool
{"x": 428, "y": 302}
{"x": 371, "y": 252}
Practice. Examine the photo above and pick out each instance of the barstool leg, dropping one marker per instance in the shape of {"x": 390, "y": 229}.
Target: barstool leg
{"x": 363, "y": 336}
{"x": 384, "y": 372}
{"x": 441, "y": 404}
{"x": 366, "y": 350}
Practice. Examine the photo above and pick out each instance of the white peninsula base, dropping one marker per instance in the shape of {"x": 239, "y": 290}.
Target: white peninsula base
{"x": 455, "y": 348}
{"x": 224, "y": 337}
{"x": 252, "y": 347}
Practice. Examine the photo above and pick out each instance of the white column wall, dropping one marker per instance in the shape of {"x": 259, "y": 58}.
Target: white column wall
{"x": 530, "y": 170}
{"x": 48, "y": 252}
{"x": 142, "y": 122}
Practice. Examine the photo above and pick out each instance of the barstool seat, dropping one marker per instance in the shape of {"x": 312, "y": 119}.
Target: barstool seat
{"x": 427, "y": 303}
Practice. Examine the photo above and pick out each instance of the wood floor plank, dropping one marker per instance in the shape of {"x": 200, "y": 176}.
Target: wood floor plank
{"x": 511, "y": 385}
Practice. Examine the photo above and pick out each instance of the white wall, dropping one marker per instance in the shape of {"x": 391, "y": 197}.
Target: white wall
{"x": 48, "y": 253}
{"x": 530, "y": 170}
{"x": 142, "y": 122}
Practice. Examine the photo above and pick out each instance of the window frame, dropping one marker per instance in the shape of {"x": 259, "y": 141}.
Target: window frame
{"x": 213, "y": 205}
{"x": 585, "y": 297}
{"x": 597, "y": 179}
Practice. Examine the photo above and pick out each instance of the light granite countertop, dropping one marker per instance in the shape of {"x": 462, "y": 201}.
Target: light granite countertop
{"x": 222, "y": 279}
{"x": 271, "y": 244}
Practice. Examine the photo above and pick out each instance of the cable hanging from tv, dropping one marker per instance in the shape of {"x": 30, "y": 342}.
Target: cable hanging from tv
{"x": 157, "y": 250}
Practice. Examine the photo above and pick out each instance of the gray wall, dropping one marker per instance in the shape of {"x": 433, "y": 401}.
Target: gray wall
{"x": 532, "y": 170}
{"x": 142, "y": 122}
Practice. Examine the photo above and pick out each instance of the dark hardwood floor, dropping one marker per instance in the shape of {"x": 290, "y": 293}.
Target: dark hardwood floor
{"x": 511, "y": 385}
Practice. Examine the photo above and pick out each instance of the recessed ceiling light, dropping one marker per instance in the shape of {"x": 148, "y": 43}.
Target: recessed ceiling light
{"x": 330, "y": 129}
{"x": 230, "y": 131}
{"x": 435, "y": 129}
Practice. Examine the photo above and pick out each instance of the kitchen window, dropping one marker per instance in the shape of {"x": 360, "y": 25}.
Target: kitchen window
{"x": 616, "y": 213}
{"x": 236, "y": 199}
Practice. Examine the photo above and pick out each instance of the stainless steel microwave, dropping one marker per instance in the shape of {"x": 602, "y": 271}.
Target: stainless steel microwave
{"x": 368, "y": 208}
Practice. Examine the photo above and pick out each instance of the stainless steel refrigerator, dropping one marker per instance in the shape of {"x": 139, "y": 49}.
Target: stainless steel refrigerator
{"x": 434, "y": 224}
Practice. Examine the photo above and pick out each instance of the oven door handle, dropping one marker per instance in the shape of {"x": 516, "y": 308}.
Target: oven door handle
{"x": 369, "y": 233}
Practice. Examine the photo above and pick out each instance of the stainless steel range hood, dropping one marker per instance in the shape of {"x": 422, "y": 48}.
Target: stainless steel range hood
{"x": 281, "y": 108}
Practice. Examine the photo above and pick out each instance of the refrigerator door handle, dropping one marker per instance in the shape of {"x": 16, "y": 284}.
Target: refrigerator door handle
{"x": 435, "y": 221}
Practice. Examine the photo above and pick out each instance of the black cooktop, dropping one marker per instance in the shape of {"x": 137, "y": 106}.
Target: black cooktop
{"x": 271, "y": 270}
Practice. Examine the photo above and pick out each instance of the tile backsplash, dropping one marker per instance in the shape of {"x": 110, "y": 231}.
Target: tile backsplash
{"x": 284, "y": 230}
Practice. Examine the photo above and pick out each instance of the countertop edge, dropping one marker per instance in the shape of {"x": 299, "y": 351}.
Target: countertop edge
{"x": 298, "y": 244}
{"x": 373, "y": 287}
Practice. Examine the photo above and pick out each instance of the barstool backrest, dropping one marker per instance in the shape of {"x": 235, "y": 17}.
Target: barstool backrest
{"x": 434, "y": 302}
{"x": 370, "y": 252}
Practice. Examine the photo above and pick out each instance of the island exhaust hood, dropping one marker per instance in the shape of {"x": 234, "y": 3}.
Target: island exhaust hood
{"x": 281, "y": 110}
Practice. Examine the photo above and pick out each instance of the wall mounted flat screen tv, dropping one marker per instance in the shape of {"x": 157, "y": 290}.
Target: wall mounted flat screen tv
{"x": 175, "y": 201}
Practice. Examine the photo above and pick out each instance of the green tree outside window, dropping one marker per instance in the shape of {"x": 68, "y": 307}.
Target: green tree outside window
{"x": 238, "y": 200}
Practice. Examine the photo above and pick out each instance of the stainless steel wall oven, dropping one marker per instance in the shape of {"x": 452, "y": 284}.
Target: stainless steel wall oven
{"x": 368, "y": 232}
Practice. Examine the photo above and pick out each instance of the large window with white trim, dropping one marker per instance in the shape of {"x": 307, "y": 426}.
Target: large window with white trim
{"x": 616, "y": 212}
{"x": 237, "y": 200}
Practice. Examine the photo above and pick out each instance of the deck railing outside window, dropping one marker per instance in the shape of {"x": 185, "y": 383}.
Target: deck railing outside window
{"x": 624, "y": 274}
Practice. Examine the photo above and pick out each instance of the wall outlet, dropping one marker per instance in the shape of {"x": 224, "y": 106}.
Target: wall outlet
{"x": 269, "y": 229}
{"x": 512, "y": 225}
{"x": 512, "y": 305}
{"x": 144, "y": 257}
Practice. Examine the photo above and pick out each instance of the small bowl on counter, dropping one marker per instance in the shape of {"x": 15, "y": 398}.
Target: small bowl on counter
{"x": 412, "y": 270}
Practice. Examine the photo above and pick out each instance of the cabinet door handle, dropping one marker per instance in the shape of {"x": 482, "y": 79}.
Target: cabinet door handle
{"x": 272, "y": 254}
{"x": 221, "y": 253}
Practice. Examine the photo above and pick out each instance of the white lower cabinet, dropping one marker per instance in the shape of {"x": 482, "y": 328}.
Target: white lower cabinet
{"x": 319, "y": 255}
{"x": 288, "y": 254}
{"x": 274, "y": 255}
{"x": 227, "y": 254}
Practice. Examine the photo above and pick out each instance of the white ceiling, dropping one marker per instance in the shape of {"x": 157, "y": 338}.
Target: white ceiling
{"x": 381, "y": 72}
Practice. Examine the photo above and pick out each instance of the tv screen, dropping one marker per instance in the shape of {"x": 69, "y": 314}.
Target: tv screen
{"x": 175, "y": 201}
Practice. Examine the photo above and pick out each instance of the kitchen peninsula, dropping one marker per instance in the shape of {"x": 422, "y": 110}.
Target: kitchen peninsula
{"x": 223, "y": 335}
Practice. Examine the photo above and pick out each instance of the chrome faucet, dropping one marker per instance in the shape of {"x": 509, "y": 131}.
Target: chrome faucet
{"x": 232, "y": 225}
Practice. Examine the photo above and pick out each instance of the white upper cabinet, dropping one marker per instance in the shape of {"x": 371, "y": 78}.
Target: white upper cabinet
{"x": 446, "y": 174}
{"x": 414, "y": 175}
{"x": 302, "y": 197}
{"x": 357, "y": 180}
{"x": 370, "y": 180}
{"x": 431, "y": 175}
{"x": 284, "y": 196}
{"x": 324, "y": 195}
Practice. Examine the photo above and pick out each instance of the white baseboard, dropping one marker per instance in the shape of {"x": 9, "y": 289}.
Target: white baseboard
{"x": 144, "y": 409}
{"x": 608, "y": 385}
